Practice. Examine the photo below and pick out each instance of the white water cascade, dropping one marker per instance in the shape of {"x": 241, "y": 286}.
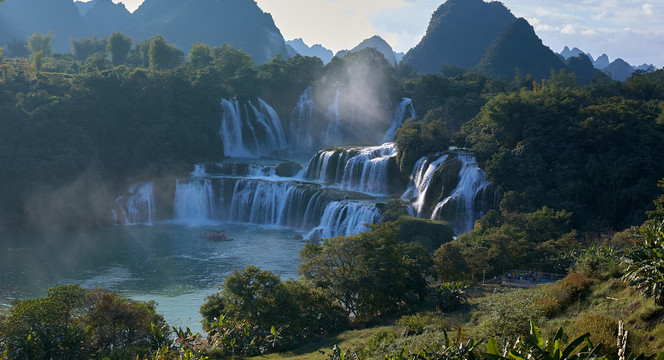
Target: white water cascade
{"x": 405, "y": 109}
{"x": 263, "y": 202}
{"x": 466, "y": 203}
{"x": 420, "y": 180}
{"x": 194, "y": 201}
{"x": 250, "y": 136}
{"x": 301, "y": 127}
{"x": 333, "y": 134}
{"x": 460, "y": 208}
{"x": 362, "y": 169}
{"x": 344, "y": 218}
{"x": 138, "y": 205}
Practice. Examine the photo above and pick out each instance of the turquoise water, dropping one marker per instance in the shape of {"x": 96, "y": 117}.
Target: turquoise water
{"x": 169, "y": 263}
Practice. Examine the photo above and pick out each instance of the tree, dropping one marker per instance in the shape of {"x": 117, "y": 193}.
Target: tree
{"x": 371, "y": 274}
{"x": 17, "y": 48}
{"x": 84, "y": 48}
{"x": 43, "y": 43}
{"x": 118, "y": 46}
{"x": 163, "y": 56}
{"x": 200, "y": 55}
{"x": 644, "y": 261}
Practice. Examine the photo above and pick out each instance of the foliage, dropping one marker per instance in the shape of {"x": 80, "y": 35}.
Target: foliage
{"x": 44, "y": 43}
{"x": 599, "y": 262}
{"x": 602, "y": 328}
{"x": 371, "y": 274}
{"x": 572, "y": 149}
{"x": 163, "y": 56}
{"x": 253, "y": 302}
{"x": 84, "y": 48}
{"x": 419, "y": 323}
{"x": 449, "y": 296}
{"x": 509, "y": 313}
{"x": 416, "y": 139}
{"x": 644, "y": 261}
{"x": 71, "y": 323}
{"x": 118, "y": 46}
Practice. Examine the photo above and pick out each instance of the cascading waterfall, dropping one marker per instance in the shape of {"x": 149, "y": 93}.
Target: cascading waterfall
{"x": 269, "y": 121}
{"x": 194, "y": 201}
{"x": 242, "y": 138}
{"x": 257, "y": 201}
{"x": 301, "y": 129}
{"x": 344, "y": 218}
{"x": 464, "y": 205}
{"x": 405, "y": 109}
{"x": 362, "y": 169}
{"x": 420, "y": 180}
{"x": 231, "y": 129}
{"x": 333, "y": 135}
{"x": 138, "y": 205}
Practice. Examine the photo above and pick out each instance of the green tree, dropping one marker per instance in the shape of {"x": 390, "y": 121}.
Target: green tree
{"x": 43, "y": 43}
{"x": 84, "y": 48}
{"x": 371, "y": 274}
{"x": 200, "y": 55}
{"x": 118, "y": 46}
{"x": 163, "y": 56}
{"x": 644, "y": 261}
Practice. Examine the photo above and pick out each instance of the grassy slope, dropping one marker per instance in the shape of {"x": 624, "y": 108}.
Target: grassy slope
{"x": 644, "y": 321}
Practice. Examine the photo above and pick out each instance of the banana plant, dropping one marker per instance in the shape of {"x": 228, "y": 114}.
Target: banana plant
{"x": 534, "y": 347}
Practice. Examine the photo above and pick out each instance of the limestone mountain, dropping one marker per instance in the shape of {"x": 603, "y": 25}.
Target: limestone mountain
{"x": 459, "y": 34}
{"x": 602, "y": 62}
{"x": 103, "y": 17}
{"x": 619, "y": 70}
{"x": 582, "y": 66}
{"x": 519, "y": 47}
{"x": 240, "y": 23}
{"x": 59, "y": 17}
{"x": 316, "y": 50}
{"x": 379, "y": 44}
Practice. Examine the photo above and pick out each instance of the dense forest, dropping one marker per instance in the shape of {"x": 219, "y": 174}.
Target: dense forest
{"x": 575, "y": 165}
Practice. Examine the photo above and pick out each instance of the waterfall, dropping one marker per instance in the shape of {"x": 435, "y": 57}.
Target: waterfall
{"x": 420, "y": 180}
{"x": 301, "y": 129}
{"x": 362, "y": 169}
{"x": 199, "y": 171}
{"x": 242, "y": 138}
{"x": 344, "y": 218}
{"x": 465, "y": 203}
{"x": 399, "y": 116}
{"x": 138, "y": 205}
{"x": 194, "y": 201}
{"x": 231, "y": 129}
{"x": 333, "y": 135}
{"x": 269, "y": 121}
{"x": 258, "y": 201}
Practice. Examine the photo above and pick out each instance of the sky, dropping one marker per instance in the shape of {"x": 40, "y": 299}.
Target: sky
{"x": 628, "y": 29}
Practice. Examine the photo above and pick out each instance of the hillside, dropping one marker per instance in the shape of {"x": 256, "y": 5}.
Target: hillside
{"x": 519, "y": 47}
{"x": 240, "y": 23}
{"x": 104, "y": 17}
{"x": 60, "y": 17}
{"x": 459, "y": 34}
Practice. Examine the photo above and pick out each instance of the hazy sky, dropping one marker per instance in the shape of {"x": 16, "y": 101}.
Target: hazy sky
{"x": 629, "y": 29}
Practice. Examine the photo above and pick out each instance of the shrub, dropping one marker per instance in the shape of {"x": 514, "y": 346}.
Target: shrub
{"x": 418, "y": 324}
{"x": 450, "y": 296}
{"x": 603, "y": 330}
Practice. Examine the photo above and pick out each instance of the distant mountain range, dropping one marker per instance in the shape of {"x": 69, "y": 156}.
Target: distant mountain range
{"x": 619, "y": 69}
{"x": 469, "y": 34}
{"x": 316, "y": 50}
{"x": 240, "y": 23}
{"x": 498, "y": 44}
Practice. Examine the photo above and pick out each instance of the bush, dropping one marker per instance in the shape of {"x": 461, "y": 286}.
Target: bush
{"x": 603, "y": 330}
{"x": 418, "y": 324}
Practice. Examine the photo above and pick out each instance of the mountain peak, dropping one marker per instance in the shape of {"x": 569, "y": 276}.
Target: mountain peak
{"x": 459, "y": 33}
{"x": 379, "y": 44}
{"x": 518, "y": 47}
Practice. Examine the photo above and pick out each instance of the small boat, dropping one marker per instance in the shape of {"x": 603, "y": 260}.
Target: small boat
{"x": 216, "y": 235}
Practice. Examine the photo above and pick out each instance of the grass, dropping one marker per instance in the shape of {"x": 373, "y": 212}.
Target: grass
{"x": 604, "y": 303}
